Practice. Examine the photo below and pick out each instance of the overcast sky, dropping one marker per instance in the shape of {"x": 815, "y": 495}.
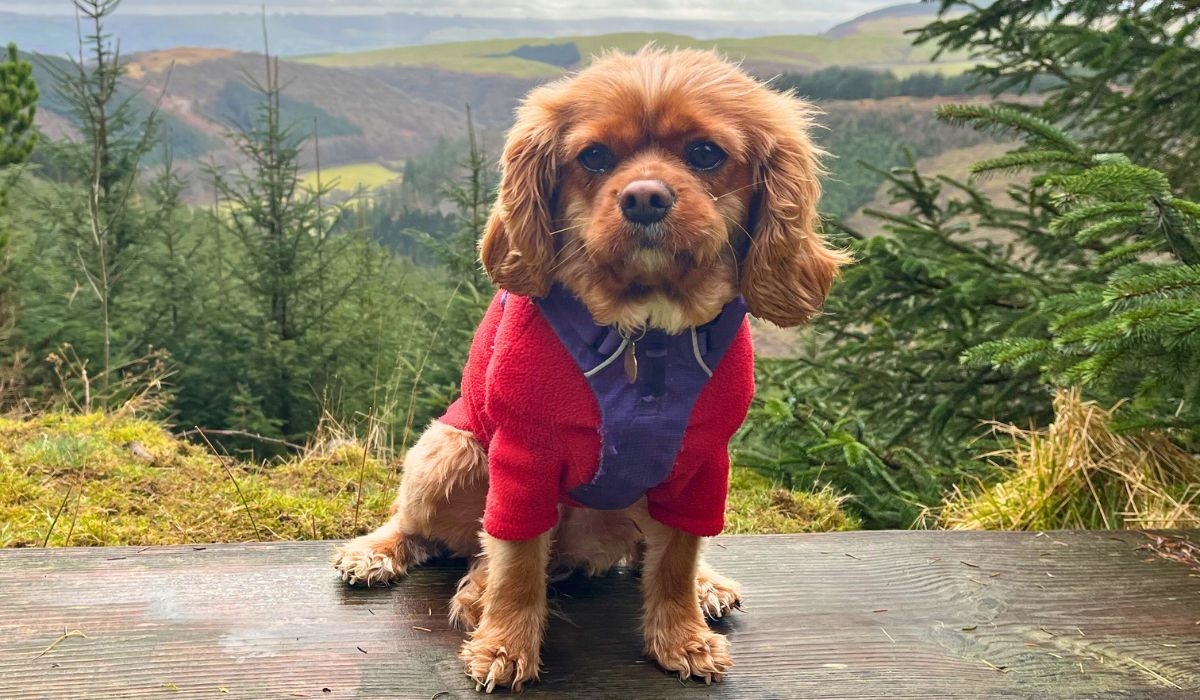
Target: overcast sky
{"x": 742, "y": 10}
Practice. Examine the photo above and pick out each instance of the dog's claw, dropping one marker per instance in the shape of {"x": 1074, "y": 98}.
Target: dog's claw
{"x": 495, "y": 667}
{"x": 698, "y": 653}
{"x": 717, "y": 595}
{"x": 358, "y": 562}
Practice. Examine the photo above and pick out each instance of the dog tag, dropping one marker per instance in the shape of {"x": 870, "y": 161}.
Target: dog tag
{"x": 631, "y": 365}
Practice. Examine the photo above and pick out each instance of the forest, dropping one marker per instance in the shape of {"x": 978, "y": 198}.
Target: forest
{"x": 1020, "y": 356}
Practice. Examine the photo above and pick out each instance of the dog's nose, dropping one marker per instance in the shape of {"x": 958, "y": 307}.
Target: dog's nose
{"x": 646, "y": 201}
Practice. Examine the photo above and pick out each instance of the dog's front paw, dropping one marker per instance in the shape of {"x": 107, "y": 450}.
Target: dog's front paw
{"x": 691, "y": 652}
{"x": 361, "y": 563}
{"x": 493, "y": 662}
{"x": 718, "y": 595}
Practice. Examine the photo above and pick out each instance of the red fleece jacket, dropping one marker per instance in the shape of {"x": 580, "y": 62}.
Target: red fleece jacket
{"x": 529, "y": 405}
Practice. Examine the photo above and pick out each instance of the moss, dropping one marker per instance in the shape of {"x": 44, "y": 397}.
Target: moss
{"x": 759, "y": 506}
{"x": 102, "y": 479}
{"x": 106, "y": 480}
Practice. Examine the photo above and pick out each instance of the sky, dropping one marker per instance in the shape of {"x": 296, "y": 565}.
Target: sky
{"x": 817, "y": 11}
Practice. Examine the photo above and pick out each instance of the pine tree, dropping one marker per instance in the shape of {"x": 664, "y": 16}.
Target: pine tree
{"x": 966, "y": 308}
{"x": 451, "y": 311}
{"x": 1130, "y": 332}
{"x": 878, "y": 403}
{"x": 86, "y": 247}
{"x": 285, "y": 259}
{"x": 18, "y": 105}
{"x": 1124, "y": 77}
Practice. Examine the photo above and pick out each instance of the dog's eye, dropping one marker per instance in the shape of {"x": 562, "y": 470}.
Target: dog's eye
{"x": 705, "y": 155}
{"x": 597, "y": 159}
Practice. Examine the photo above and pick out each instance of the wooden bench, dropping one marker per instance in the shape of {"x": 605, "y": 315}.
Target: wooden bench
{"x": 864, "y": 614}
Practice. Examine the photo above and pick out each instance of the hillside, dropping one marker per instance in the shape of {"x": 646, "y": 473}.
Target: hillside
{"x": 358, "y": 117}
{"x": 874, "y": 45}
{"x": 204, "y": 94}
{"x": 899, "y": 16}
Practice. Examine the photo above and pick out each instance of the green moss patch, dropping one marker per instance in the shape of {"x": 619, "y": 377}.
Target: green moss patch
{"x": 759, "y": 506}
{"x": 112, "y": 480}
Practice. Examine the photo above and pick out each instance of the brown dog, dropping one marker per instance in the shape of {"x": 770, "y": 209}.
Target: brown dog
{"x": 652, "y": 193}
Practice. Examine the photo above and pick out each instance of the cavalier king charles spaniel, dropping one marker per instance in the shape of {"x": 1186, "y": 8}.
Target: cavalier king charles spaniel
{"x": 646, "y": 204}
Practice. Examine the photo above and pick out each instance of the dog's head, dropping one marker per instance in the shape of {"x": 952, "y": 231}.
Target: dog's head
{"x": 657, "y": 187}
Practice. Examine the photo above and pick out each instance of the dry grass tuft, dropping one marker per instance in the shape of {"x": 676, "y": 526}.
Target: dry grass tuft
{"x": 1078, "y": 473}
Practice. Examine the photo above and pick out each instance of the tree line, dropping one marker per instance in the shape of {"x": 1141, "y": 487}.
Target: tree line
{"x": 263, "y": 314}
{"x": 853, "y": 83}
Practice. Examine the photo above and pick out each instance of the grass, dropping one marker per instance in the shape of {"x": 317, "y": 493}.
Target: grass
{"x": 759, "y": 506}
{"x": 1079, "y": 473}
{"x": 352, "y": 177}
{"x": 111, "y": 479}
{"x": 883, "y": 46}
{"x": 103, "y": 479}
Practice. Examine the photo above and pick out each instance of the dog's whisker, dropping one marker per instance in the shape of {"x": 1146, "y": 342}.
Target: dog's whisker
{"x": 717, "y": 197}
{"x": 579, "y": 249}
{"x": 738, "y": 224}
{"x": 569, "y": 228}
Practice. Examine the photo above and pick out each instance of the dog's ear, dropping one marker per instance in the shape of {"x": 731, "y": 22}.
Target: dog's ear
{"x": 788, "y": 269}
{"x": 517, "y": 247}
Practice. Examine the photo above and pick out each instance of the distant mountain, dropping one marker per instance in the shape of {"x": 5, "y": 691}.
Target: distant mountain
{"x": 896, "y": 18}
{"x": 299, "y": 34}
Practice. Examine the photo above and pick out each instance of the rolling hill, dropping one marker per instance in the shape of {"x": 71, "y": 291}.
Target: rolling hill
{"x": 881, "y": 45}
{"x": 358, "y": 117}
{"x": 203, "y": 94}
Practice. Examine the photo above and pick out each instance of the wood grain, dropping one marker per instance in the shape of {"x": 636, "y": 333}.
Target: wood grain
{"x": 850, "y": 615}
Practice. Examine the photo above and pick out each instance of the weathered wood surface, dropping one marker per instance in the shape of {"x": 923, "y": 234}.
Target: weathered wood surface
{"x": 871, "y": 614}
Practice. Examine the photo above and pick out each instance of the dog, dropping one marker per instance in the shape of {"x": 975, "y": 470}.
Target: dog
{"x": 645, "y": 205}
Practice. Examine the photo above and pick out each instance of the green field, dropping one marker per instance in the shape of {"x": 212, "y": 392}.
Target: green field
{"x": 352, "y": 176}
{"x": 880, "y": 44}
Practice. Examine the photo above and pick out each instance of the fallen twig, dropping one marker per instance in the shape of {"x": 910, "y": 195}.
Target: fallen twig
{"x": 65, "y": 636}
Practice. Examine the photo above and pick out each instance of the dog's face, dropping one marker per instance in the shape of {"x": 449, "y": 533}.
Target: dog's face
{"x": 657, "y": 187}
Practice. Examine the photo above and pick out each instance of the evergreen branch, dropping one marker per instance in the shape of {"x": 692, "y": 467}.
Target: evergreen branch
{"x": 1022, "y": 160}
{"x": 1007, "y": 119}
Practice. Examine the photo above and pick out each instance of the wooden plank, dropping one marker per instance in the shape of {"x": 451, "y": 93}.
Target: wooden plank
{"x": 865, "y": 614}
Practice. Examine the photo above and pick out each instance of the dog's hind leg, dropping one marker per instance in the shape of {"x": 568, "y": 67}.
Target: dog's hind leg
{"x": 442, "y": 493}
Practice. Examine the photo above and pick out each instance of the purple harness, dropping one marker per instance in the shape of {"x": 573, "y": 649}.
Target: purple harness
{"x": 641, "y": 422}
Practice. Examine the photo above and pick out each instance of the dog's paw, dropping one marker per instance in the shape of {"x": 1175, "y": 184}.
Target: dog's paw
{"x": 361, "y": 564}
{"x": 699, "y": 653}
{"x": 466, "y": 606}
{"x": 495, "y": 663}
{"x": 718, "y": 595}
